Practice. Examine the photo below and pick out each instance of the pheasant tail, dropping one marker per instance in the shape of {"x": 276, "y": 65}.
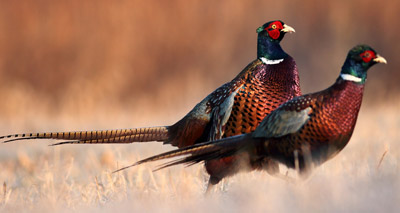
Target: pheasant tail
{"x": 101, "y": 136}
{"x": 201, "y": 152}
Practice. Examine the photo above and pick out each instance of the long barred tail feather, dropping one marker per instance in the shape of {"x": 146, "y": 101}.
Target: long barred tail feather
{"x": 201, "y": 152}
{"x": 142, "y": 137}
{"x": 100, "y": 136}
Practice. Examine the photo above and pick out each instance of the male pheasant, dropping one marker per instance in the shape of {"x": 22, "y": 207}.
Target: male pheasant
{"x": 307, "y": 130}
{"x": 237, "y": 107}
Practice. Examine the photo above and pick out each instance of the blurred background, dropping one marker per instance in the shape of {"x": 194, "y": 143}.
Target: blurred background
{"x": 84, "y": 65}
{"x": 90, "y": 62}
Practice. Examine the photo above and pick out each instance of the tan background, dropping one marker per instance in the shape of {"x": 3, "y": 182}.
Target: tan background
{"x": 74, "y": 57}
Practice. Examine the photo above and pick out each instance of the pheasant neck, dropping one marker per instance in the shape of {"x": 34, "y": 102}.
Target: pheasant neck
{"x": 269, "y": 49}
{"x": 352, "y": 71}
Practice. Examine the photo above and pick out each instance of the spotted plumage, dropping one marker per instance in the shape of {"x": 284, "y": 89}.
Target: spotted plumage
{"x": 309, "y": 129}
{"x": 236, "y": 107}
{"x": 264, "y": 92}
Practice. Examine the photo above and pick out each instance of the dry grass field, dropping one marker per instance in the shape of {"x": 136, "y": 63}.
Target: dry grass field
{"x": 80, "y": 65}
{"x": 365, "y": 176}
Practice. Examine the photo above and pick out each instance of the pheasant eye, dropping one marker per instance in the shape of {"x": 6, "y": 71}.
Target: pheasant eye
{"x": 367, "y": 56}
{"x": 273, "y": 30}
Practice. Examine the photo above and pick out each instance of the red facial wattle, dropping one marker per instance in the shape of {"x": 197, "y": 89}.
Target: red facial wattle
{"x": 367, "y": 56}
{"x": 274, "y": 29}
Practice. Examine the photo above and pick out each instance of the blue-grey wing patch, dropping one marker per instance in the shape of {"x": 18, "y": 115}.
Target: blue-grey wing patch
{"x": 282, "y": 122}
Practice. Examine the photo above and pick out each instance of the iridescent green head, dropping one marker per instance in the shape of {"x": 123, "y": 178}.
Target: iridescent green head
{"x": 269, "y": 37}
{"x": 275, "y": 30}
{"x": 358, "y": 61}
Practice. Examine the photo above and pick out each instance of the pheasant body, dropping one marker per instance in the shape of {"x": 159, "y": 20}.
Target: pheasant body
{"x": 331, "y": 122}
{"x": 266, "y": 87}
{"x": 256, "y": 91}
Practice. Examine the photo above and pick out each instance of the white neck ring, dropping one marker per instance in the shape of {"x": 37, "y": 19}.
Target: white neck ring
{"x": 267, "y": 61}
{"x": 348, "y": 77}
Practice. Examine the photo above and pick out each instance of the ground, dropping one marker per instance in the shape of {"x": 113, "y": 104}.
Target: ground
{"x": 365, "y": 176}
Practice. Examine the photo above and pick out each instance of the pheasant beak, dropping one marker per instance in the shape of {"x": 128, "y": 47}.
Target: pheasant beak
{"x": 380, "y": 59}
{"x": 288, "y": 29}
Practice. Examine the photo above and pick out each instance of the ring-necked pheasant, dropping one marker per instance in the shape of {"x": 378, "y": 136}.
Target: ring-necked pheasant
{"x": 307, "y": 130}
{"x": 236, "y": 107}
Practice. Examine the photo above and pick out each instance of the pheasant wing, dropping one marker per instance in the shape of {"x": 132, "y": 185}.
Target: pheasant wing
{"x": 287, "y": 119}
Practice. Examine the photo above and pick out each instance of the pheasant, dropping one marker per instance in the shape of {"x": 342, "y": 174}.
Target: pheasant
{"x": 236, "y": 107}
{"x": 305, "y": 131}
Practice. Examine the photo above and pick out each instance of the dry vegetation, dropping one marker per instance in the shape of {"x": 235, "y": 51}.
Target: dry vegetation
{"x": 71, "y": 65}
{"x": 38, "y": 177}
